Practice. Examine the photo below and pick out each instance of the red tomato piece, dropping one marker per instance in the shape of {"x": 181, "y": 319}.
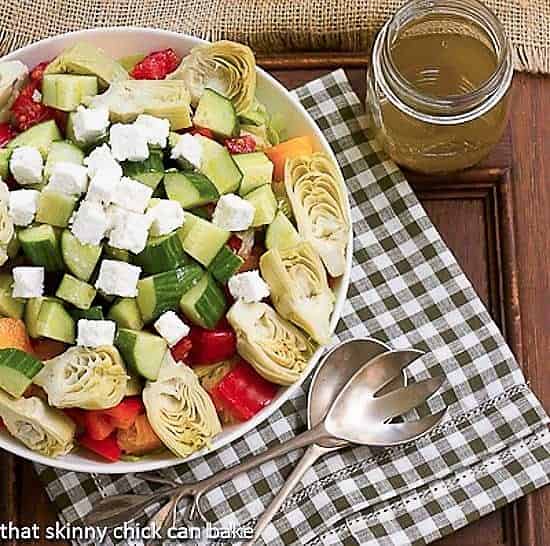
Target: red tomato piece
{"x": 210, "y": 346}
{"x": 125, "y": 414}
{"x": 235, "y": 243}
{"x": 98, "y": 425}
{"x": 37, "y": 73}
{"x": 202, "y": 131}
{"x": 26, "y": 112}
{"x": 180, "y": 351}
{"x": 240, "y": 145}
{"x": 7, "y": 132}
{"x": 156, "y": 66}
{"x": 107, "y": 449}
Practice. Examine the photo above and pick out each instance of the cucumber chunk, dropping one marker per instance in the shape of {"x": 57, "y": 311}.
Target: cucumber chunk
{"x": 9, "y": 306}
{"x": 41, "y": 245}
{"x": 205, "y": 303}
{"x": 257, "y": 171}
{"x": 119, "y": 254}
{"x": 265, "y": 203}
{"x": 79, "y": 258}
{"x": 216, "y": 113}
{"x": 125, "y": 312}
{"x": 190, "y": 189}
{"x": 62, "y": 151}
{"x": 142, "y": 352}
{"x": 93, "y": 313}
{"x": 46, "y": 317}
{"x": 66, "y": 91}
{"x": 218, "y": 165}
{"x": 225, "y": 264}
{"x": 162, "y": 292}
{"x": 17, "y": 370}
{"x": 40, "y": 136}
{"x": 201, "y": 239}
{"x": 149, "y": 172}
{"x": 5, "y": 154}
{"x": 75, "y": 291}
{"x": 55, "y": 208}
{"x": 281, "y": 233}
{"x": 162, "y": 253}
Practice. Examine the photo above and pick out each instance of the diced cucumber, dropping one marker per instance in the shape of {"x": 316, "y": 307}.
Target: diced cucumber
{"x": 218, "y": 165}
{"x": 254, "y": 117}
{"x": 162, "y": 292}
{"x": 32, "y": 311}
{"x": 93, "y": 313}
{"x": 14, "y": 246}
{"x": 142, "y": 352}
{"x": 202, "y": 239}
{"x": 190, "y": 189}
{"x": 5, "y": 154}
{"x": 55, "y": 322}
{"x": 225, "y": 264}
{"x": 281, "y": 233}
{"x": 75, "y": 291}
{"x": 149, "y": 172}
{"x": 17, "y": 370}
{"x": 162, "y": 253}
{"x": 41, "y": 245}
{"x": 216, "y": 113}
{"x": 119, "y": 254}
{"x": 265, "y": 203}
{"x": 125, "y": 312}
{"x": 39, "y": 136}
{"x": 257, "y": 171}
{"x": 55, "y": 208}
{"x": 9, "y": 306}
{"x": 205, "y": 303}
{"x": 79, "y": 258}
{"x": 66, "y": 91}
{"x": 62, "y": 151}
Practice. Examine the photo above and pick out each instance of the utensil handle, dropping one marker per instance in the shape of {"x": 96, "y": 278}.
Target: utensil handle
{"x": 311, "y": 455}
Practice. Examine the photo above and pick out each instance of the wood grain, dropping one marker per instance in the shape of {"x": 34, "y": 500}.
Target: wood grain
{"x": 488, "y": 218}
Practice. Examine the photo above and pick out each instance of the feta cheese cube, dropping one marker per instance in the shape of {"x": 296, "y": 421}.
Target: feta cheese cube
{"x": 155, "y": 129}
{"x": 68, "y": 178}
{"x": 132, "y": 195}
{"x": 118, "y": 278}
{"x": 36, "y": 96}
{"x": 165, "y": 216}
{"x": 188, "y": 147}
{"x": 90, "y": 223}
{"x": 128, "y": 142}
{"x": 248, "y": 286}
{"x": 28, "y": 282}
{"x": 102, "y": 187}
{"x": 23, "y": 206}
{"x": 26, "y": 165}
{"x": 89, "y": 124}
{"x": 101, "y": 159}
{"x": 233, "y": 213}
{"x": 129, "y": 230}
{"x": 94, "y": 333}
{"x": 171, "y": 327}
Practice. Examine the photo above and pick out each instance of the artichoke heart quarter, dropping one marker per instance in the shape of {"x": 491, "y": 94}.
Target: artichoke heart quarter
{"x": 7, "y": 230}
{"x": 13, "y": 75}
{"x": 275, "y": 348}
{"x": 43, "y": 429}
{"x": 226, "y": 67}
{"x": 91, "y": 379}
{"x": 299, "y": 288}
{"x": 180, "y": 411}
{"x": 316, "y": 192}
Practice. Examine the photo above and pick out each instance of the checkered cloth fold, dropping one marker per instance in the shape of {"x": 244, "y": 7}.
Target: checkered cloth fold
{"x": 407, "y": 290}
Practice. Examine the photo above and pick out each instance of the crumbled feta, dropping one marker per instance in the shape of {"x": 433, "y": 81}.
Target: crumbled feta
{"x": 102, "y": 187}
{"x": 171, "y": 327}
{"x": 165, "y": 216}
{"x": 94, "y": 333}
{"x": 26, "y": 165}
{"x": 68, "y": 178}
{"x": 233, "y": 213}
{"x": 89, "y": 124}
{"x": 118, "y": 278}
{"x": 101, "y": 159}
{"x": 128, "y": 143}
{"x": 132, "y": 195}
{"x": 248, "y": 286}
{"x": 23, "y": 206}
{"x": 188, "y": 147}
{"x": 36, "y": 96}
{"x": 155, "y": 129}
{"x": 90, "y": 223}
{"x": 28, "y": 282}
{"x": 128, "y": 230}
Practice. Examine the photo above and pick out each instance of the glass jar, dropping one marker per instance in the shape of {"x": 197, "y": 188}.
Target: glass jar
{"x": 438, "y": 85}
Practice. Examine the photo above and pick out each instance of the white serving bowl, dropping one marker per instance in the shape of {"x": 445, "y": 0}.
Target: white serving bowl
{"x": 120, "y": 42}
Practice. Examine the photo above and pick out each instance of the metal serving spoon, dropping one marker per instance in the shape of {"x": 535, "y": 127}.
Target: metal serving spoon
{"x": 359, "y": 421}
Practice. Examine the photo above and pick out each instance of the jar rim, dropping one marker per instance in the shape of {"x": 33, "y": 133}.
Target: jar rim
{"x": 451, "y": 109}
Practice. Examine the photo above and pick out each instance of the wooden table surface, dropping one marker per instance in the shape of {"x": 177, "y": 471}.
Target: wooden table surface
{"x": 496, "y": 220}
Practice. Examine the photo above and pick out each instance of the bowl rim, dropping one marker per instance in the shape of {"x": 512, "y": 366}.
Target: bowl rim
{"x": 94, "y": 466}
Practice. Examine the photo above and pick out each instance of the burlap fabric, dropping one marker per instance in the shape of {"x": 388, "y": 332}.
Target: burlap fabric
{"x": 267, "y": 25}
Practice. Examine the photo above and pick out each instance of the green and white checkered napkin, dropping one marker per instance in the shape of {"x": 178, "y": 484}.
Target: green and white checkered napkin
{"x": 407, "y": 290}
